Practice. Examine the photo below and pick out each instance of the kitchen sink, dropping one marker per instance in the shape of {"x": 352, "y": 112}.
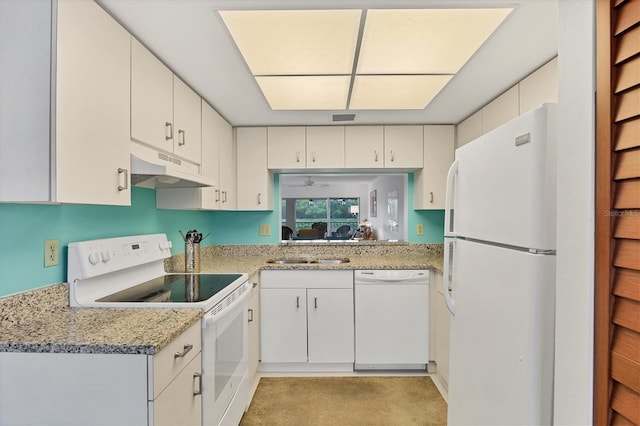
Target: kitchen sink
{"x": 330, "y": 261}
{"x": 308, "y": 261}
{"x": 288, "y": 261}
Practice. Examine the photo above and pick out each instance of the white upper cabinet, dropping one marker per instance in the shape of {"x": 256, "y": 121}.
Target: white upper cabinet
{"x": 403, "y": 147}
{"x": 286, "y": 148}
{"x": 215, "y": 133}
{"x": 187, "y": 119}
{"x": 325, "y": 147}
{"x": 539, "y": 87}
{"x": 82, "y": 157}
{"x": 228, "y": 182}
{"x": 151, "y": 99}
{"x": 254, "y": 181}
{"x": 430, "y": 182}
{"x": 364, "y": 147}
{"x": 165, "y": 112}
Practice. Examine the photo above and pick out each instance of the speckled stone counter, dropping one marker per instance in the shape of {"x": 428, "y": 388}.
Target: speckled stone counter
{"x": 41, "y": 321}
{"x": 253, "y": 258}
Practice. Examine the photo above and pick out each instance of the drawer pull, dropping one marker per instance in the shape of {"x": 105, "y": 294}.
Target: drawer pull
{"x": 197, "y": 390}
{"x": 187, "y": 348}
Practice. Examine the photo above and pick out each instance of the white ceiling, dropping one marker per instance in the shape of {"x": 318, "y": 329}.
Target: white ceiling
{"x": 192, "y": 40}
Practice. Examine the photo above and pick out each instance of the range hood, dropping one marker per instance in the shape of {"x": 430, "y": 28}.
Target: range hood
{"x": 154, "y": 169}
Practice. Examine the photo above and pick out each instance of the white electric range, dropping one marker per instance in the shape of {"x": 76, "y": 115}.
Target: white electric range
{"x": 128, "y": 272}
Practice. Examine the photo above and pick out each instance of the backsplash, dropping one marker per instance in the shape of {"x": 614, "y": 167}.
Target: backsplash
{"x": 22, "y": 259}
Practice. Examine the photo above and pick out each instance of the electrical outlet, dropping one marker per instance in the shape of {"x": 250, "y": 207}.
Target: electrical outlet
{"x": 265, "y": 230}
{"x": 51, "y": 252}
{"x": 420, "y": 229}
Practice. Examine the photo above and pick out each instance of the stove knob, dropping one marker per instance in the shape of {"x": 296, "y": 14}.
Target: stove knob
{"x": 94, "y": 258}
{"x": 106, "y": 256}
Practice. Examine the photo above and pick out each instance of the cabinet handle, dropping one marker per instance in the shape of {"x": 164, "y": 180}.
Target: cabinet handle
{"x": 254, "y": 285}
{"x": 169, "y": 127}
{"x": 187, "y": 348}
{"x": 297, "y": 156}
{"x": 224, "y": 196}
{"x": 297, "y": 301}
{"x": 431, "y": 199}
{"x": 217, "y": 195}
{"x": 250, "y": 315}
{"x": 259, "y": 200}
{"x": 392, "y": 156}
{"x": 181, "y": 138}
{"x": 315, "y": 303}
{"x": 197, "y": 390}
{"x": 313, "y": 156}
{"x": 375, "y": 154}
{"x": 125, "y": 172}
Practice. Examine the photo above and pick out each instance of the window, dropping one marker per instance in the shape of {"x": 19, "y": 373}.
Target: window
{"x": 333, "y": 217}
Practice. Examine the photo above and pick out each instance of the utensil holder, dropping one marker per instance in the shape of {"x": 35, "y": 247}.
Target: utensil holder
{"x": 191, "y": 257}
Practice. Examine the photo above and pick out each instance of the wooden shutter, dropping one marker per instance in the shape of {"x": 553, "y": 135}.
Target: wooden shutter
{"x": 617, "y": 290}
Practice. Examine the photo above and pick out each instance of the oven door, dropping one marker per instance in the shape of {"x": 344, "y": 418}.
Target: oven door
{"x": 224, "y": 359}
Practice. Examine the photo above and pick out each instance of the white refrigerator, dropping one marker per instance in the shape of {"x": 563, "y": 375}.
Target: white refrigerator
{"x": 500, "y": 274}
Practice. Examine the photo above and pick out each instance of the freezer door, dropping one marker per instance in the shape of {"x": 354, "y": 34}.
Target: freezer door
{"x": 504, "y": 185}
{"x": 502, "y": 336}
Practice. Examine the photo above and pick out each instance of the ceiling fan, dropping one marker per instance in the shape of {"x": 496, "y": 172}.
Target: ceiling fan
{"x": 310, "y": 183}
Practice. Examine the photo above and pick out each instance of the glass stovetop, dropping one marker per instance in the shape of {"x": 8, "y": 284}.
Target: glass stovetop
{"x": 176, "y": 288}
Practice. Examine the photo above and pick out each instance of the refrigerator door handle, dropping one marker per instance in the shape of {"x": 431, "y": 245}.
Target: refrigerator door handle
{"x": 449, "y": 254}
{"x": 448, "y": 223}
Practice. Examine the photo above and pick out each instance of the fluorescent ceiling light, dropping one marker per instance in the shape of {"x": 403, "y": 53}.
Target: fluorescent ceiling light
{"x": 396, "y": 91}
{"x": 305, "y": 92}
{"x": 295, "y": 42}
{"x": 304, "y": 59}
{"x": 424, "y": 41}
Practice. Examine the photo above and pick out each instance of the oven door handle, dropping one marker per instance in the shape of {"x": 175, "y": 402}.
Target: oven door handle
{"x": 213, "y": 317}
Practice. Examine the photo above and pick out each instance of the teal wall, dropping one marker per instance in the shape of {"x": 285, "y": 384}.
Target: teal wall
{"x": 24, "y": 227}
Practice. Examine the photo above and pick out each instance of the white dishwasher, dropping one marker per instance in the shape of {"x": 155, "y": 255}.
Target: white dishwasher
{"x": 391, "y": 319}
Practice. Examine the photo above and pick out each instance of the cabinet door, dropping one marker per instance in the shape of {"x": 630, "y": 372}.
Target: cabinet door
{"x": 254, "y": 329}
{"x": 330, "y": 325}
{"x": 180, "y": 403}
{"x": 442, "y": 329}
{"x": 430, "y": 182}
{"x": 363, "y": 147}
{"x": 187, "y": 116}
{"x": 283, "y": 325}
{"x": 254, "y": 182}
{"x": 325, "y": 147}
{"x": 212, "y": 125}
{"x": 92, "y": 107}
{"x": 151, "y": 99}
{"x": 403, "y": 147}
{"x": 286, "y": 148}
{"x": 227, "y": 167}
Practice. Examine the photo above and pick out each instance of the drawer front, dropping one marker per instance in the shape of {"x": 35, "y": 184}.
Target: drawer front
{"x": 166, "y": 365}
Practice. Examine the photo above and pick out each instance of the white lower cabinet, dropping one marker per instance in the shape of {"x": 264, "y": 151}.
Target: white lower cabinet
{"x": 442, "y": 329}
{"x": 307, "y": 320}
{"x": 254, "y": 330}
{"x": 104, "y": 389}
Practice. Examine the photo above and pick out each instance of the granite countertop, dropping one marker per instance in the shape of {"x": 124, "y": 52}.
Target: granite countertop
{"x": 41, "y": 321}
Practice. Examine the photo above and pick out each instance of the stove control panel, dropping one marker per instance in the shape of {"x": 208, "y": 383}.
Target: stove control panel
{"x": 88, "y": 259}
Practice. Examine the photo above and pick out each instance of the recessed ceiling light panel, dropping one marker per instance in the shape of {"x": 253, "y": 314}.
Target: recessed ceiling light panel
{"x": 424, "y": 41}
{"x": 305, "y": 92}
{"x": 396, "y": 91}
{"x": 295, "y": 42}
